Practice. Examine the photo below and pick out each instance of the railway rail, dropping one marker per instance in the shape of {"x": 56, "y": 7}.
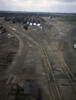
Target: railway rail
{"x": 45, "y": 58}
{"x": 64, "y": 66}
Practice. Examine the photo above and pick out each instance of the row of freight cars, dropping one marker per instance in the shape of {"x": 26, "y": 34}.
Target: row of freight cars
{"x": 22, "y": 19}
{"x": 27, "y": 21}
{"x": 14, "y": 19}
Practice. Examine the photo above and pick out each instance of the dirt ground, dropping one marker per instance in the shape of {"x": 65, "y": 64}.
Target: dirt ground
{"x": 45, "y": 55}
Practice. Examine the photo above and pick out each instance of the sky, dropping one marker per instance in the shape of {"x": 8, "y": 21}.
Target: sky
{"x": 64, "y": 6}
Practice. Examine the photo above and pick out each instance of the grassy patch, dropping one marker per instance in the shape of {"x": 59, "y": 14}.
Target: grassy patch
{"x": 72, "y": 20}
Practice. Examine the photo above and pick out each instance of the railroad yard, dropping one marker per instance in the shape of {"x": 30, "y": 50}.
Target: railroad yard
{"x": 41, "y": 49}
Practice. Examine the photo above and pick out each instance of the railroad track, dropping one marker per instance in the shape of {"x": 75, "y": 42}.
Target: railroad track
{"x": 64, "y": 66}
{"x": 45, "y": 58}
